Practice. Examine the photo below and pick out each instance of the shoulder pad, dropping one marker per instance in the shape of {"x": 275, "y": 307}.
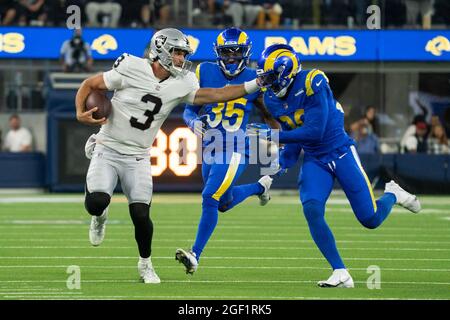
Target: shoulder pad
{"x": 315, "y": 81}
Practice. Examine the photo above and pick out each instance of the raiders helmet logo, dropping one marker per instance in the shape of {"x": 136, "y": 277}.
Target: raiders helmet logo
{"x": 160, "y": 40}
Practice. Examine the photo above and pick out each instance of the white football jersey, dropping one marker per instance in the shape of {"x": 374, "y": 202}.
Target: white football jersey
{"x": 140, "y": 104}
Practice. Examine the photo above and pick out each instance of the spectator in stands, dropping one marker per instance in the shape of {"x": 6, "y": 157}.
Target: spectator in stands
{"x": 57, "y": 12}
{"x": 370, "y": 119}
{"x": 217, "y": 11}
{"x": 296, "y": 13}
{"x": 424, "y": 7}
{"x": 110, "y": 11}
{"x": 361, "y": 11}
{"x": 143, "y": 13}
{"x": 8, "y": 12}
{"x": 447, "y": 121}
{"x": 415, "y": 141}
{"x": 160, "y": 11}
{"x": 31, "y": 12}
{"x": 441, "y": 16}
{"x": 336, "y": 12}
{"x": 434, "y": 121}
{"x": 76, "y": 54}
{"x": 394, "y": 13}
{"x": 366, "y": 141}
{"x": 272, "y": 10}
{"x": 17, "y": 139}
{"x": 438, "y": 142}
{"x": 241, "y": 10}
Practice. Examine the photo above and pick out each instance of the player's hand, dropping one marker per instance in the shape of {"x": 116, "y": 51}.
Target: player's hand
{"x": 86, "y": 118}
{"x": 199, "y": 125}
{"x": 286, "y": 159}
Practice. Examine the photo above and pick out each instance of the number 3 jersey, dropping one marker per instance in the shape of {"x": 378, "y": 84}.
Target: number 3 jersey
{"x": 231, "y": 117}
{"x": 141, "y": 103}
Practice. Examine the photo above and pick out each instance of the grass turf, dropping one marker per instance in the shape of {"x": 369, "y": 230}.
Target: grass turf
{"x": 255, "y": 253}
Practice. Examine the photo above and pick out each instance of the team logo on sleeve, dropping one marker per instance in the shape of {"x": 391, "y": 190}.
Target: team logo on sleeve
{"x": 160, "y": 40}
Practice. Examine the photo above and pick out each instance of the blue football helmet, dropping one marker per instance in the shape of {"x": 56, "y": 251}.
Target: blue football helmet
{"x": 233, "y": 50}
{"x": 278, "y": 67}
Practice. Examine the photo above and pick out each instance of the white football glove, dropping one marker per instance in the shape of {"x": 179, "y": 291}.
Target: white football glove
{"x": 199, "y": 125}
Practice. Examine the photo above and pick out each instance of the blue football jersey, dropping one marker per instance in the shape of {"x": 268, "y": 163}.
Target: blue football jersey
{"x": 231, "y": 116}
{"x": 291, "y": 110}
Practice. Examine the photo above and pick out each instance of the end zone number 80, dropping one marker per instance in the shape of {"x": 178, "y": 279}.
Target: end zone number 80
{"x": 173, "y": 160}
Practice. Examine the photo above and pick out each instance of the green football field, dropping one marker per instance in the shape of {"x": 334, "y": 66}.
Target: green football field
{"x": 255, "y": 253}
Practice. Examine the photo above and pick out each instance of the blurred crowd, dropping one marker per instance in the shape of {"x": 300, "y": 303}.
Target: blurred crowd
{"x": 261, "y": 14}
{"x": 420, "y": 137}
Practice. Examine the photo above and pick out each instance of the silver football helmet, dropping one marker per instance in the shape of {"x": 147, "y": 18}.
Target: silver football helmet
{"x": 163, "y": 43}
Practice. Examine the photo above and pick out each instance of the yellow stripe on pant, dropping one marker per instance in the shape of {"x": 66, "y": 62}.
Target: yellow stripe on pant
{"x": 229, "y": 176}
{"x": 355, "y": 155}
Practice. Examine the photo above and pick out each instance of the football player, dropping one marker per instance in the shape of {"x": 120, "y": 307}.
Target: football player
{"x": 145, "y": 92}
{"x": 312, "y": 120}
{"x": 221, "y": 171}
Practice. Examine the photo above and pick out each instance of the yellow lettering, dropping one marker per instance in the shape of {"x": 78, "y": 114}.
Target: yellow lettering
{"x": 345, "y": 46}
{"x": 12, "y": 42}
{"x": 326, "y": 46}
{"x": 268, "y": 41}
{"x": 299, "y": 45}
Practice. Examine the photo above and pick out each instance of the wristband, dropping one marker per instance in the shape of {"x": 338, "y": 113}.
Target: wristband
{"x": 251, "y": 86}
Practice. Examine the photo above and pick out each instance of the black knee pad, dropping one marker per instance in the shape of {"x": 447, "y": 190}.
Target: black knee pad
{"x": 139, "y": 211}
{"x": 96, "y": 202}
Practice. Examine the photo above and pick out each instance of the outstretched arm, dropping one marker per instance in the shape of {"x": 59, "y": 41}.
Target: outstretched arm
{"x": 212, "y": 95}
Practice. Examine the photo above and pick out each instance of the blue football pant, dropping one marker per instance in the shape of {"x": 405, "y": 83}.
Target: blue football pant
{"x": 315, "y": 185}
{"x": 219, "y": 193}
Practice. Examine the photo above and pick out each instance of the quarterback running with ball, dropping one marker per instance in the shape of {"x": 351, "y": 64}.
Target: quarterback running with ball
{"x": 146, "y": 90}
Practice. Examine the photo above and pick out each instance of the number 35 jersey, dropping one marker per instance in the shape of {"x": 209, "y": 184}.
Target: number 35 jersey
{"x": 141, "y": 103}
{"x": 231, "y": 116}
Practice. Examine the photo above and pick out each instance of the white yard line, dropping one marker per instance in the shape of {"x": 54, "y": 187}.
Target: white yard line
{"x": 40, "y": 292}
{"x": 233, "y": 248}
{"x": 374, "y": 237}
{"x": 41, "y": 199}
{"x": 222, "y": 281}
{"x": 219, "y": 258}
{"x": 119, "y": 225}
{"x": 100, "y": 267}
{"x": 279, "y": 197}
{"x": 240, "y": 241}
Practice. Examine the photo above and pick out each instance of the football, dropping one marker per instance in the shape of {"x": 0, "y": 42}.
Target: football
{"x": 99, "y": 99}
